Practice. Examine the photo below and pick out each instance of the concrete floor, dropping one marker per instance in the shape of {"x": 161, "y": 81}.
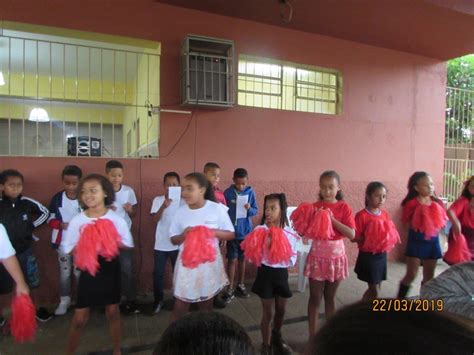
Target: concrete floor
{"x": 141, "y": 332}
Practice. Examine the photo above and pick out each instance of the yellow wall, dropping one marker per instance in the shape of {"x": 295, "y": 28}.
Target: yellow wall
{"x": 148, "y": 82}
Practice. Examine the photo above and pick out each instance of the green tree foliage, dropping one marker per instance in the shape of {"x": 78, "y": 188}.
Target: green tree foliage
{"x": 459, "y": 103}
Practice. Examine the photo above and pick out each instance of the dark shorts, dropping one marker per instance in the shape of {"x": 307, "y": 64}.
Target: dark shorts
{"x": 371, "y": 268}
{"x": 234, "y": 251}
{"x": 421, "y": 248}
{"x": 29, "y": 266}
{"x": 6, "y": 281}
{"x": 271, "y": 282}
{"x": 102, "y": 289}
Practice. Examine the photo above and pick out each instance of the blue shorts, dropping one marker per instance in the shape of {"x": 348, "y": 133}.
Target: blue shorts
{"x": 421, "y": 248}
{"x": 29, "y": 266}
{"x": 234, "y": 251}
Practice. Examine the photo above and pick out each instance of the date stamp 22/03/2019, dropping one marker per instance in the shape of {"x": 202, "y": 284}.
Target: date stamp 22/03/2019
{"x": 407, "y": 305}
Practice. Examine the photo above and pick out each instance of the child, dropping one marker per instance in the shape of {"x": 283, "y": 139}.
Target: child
{"x": 96, "y": 193}
{"x": 243, "y": 226}
{"x": 421, "y": 247}
{"x": 326, "y": 265}
{"x": 164, "y": 249}
{"x": 201, "y": 284}
{"x": 371, "y": 265}
{"x": 271, "y": 284}
{"x": 461, "y": 214}
{"x": 20, "y": 215}
{"x": 124, "y": 205}
{"x": 212, "y": 171}
{"x": 9, "y": 269}
{"x": 64, "y": 206}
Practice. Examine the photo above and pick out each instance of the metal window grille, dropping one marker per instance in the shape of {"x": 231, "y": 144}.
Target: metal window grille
{"x": 86, "y": 89}
{"x": 286, "y": 86}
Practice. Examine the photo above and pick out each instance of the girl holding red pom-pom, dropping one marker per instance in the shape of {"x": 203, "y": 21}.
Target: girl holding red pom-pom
{"x": 426, "y": 215}
{"x": 461, "y": 214}
{"x": 271, "y": 283}
{"x": 376, "y": 235}
{"x": 326, "y": 265}
{"x": 94, "y": 236}
{"x": 194, "y": 281}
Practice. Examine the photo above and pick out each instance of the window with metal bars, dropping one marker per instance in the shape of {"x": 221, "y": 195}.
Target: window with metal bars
{"x": 93, "y": 92}
{"x": 268, "y": 83}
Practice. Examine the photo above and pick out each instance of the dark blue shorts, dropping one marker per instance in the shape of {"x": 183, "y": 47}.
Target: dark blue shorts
{"x": 421, "y": 248}
{"x": 234, "y": 251}
{"x": 371, "y": 268}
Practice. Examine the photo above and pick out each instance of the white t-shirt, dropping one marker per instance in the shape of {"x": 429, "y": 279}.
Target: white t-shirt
{"x": 81, "y": 220}
{"x": 123, "y": 196}
{"x": 211, "y": 215}
{"x": 6, "y": 248}
{"x": 293, "y": 239}
{"x": 69, "y": 209}
{"x": 162, "y": 238}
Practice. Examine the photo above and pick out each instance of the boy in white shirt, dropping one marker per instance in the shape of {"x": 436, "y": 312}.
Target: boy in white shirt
{"x": 125, "y": 206}
{"x": 162, "y": 215}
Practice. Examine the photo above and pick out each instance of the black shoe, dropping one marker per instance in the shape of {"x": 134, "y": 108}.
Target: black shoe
{"x": 2, "y": 321}
{"x": 279, "y": 346}
{"x": 228, "y": 296}
{"x": 129, "y": 308}
{"x": 241, "y": 291}
{"x": 266, "y": 350}
{"x": 219, "y": 303}
{"x": 43, "y": 315}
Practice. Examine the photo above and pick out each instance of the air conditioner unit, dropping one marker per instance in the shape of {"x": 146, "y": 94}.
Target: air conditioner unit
{"x": 208, "y": 72}
{"x": 84, "y": 146}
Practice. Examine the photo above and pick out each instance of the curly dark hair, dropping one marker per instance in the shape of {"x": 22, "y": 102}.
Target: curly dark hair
{"x": 106, "y": 186}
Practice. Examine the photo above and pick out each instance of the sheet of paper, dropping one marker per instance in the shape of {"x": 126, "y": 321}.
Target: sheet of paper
{"x": 242, "y": 200}
{"x": 66, "y": 214}
{"x": 174, "y": 193}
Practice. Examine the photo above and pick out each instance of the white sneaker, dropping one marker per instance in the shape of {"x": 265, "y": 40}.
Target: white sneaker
{"x": 63, "y": 306}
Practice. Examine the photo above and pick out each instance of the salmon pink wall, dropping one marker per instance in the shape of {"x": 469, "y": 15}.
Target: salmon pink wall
{"x": 391, "y": 125}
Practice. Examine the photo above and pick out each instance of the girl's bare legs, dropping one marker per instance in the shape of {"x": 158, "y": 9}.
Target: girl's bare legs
{"x": 316, "y": 290}
{"x": 412, "y": 269}
{"x": 266, "y": 323}
{"x": 206, "y": 305}
{"x": 113, "y": 315}
{"x": 180, "y": 309}
{"x": 371, "y": 293}
{"x": 429, "y": 266}
{"x": 330, "y": 290}
{"x": 79, "y": 321}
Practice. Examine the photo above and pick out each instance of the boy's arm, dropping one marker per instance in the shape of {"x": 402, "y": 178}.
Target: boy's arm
{"x": 253, "y": 210}
{"x": 41, "y": 211}
{"x": 54, "y": 220}
{"x": 132, "y": 202}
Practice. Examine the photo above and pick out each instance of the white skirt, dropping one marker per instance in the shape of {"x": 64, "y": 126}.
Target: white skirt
{"x": 201, "y": 283}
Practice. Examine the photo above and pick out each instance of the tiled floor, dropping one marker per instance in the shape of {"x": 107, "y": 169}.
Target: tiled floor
{"x": 141, "y": 332}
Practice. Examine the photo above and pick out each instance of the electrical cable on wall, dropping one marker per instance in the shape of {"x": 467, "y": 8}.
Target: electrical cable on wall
{"x": 285, "y": 6}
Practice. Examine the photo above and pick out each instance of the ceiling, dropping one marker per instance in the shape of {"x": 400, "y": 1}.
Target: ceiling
{"x": 441, "y": 29}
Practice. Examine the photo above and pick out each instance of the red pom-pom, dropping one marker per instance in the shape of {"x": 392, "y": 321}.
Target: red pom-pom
{"x": 458, "y": 251}
{"x": 109, "y": 238}
{"x": 321, "y": 226}
{"x": 302, "y": 217}
{"x": 23, "y": 320}
{"x": 280, "y": 247}
{"x": 199, "y": 247}
{"x": 254, "y": 245}
{"x": 97, "y": 238}
{"x": 429, "y": 219}
{"x": 380, "y": 236}
{"x": 85, "y": 252}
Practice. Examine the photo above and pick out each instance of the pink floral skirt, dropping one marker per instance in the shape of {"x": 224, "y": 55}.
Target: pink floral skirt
{"x": 327, "y": 261}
